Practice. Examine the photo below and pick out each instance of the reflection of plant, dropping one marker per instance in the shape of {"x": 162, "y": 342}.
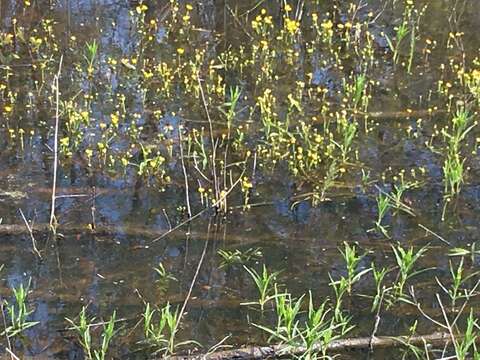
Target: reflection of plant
{"x": 18, "y": 312}
{"x": 238, "y": 257}
{"x": 164, "y": 276}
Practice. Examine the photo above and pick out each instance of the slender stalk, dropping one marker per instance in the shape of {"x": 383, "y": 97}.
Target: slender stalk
{"x": 187, "y": 193}
{"x": 212, "y": 140}
{"x": 192, "y": 284}
{"x": 55, "y": 146}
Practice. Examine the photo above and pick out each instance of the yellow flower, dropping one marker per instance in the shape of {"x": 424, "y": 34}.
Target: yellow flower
{"x": 476, "y": 74}
{"x": 115, "y": 119}
{"x": 181, "y": 51}
{"x": 327, "y": 25}
{"x": 8, "y": 39}
{"x": 292, "y": 26}
{"x": 288, "y": 8}
{"x": 141, "y": 8}
{"x": 189, "y": 7}
{"x": 147, "y": 74}
{"x": 7, "y": 108}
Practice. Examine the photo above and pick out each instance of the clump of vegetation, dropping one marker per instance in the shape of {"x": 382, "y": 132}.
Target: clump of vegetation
{"x": 18, "y": 312}
{"x": 83, "y": 329}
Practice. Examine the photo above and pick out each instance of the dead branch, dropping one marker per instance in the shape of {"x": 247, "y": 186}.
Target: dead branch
{"x": 397, "y": 115}
{"x": 281, "y": 351}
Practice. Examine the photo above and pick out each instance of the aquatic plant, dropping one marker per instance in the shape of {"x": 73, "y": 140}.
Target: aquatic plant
{"x": 18, "y": 312}
{"x": 83, "y": 330}
{"x": 160, "y": 329}
{"x": 458, "y": 279}
{"x": 352, "y": 259}
{"x": 91, "y": 50}
{"x": 314, "y": 333}
{"x": 406, "y": 259}
{"x": 264, "y": 281}
{"x": 380, "y": 288}
{"x": 453, "y": 168}
{"x": 383, "y": 206}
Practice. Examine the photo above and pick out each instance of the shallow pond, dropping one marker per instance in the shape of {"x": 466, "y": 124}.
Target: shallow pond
{"x": 272, "y": 128}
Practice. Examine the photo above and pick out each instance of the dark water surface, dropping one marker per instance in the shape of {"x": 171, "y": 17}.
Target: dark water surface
{"x": 115, "y": 271}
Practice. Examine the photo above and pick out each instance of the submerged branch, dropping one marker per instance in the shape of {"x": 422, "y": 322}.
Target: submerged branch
{"x": 396, "y": 115}
{"x": 282, "y": 351}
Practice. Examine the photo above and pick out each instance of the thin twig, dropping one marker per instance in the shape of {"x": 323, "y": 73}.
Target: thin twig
{"x": 434, "y": 234}
{"x": 192, "y": 284}
{"x": 242, "y": 26}
{"x": 55, "y": 145}
{"x": 30, "y": 231}
{"x": 187, "y": 196}
{"x": 9, "y": 345}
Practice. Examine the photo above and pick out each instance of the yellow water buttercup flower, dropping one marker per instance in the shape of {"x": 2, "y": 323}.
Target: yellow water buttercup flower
{"x": 141, "y": 8}
{"x": 292, "y": 25}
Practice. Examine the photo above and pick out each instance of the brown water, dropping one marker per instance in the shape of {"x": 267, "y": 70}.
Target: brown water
{"x": 114, "y": 271}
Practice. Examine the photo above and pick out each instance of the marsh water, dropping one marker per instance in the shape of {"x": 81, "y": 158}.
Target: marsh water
{"x": 113, "y": 269}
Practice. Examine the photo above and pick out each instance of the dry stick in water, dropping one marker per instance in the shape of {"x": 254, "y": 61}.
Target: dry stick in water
{"x": 394, "y": 115}
{"x": 335, "y": 346}
{"x": 192, "y": 284}
{"x": 55, "y": 145}
{"x": 30, "y": 231}
{"x": 9, "y": 345}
